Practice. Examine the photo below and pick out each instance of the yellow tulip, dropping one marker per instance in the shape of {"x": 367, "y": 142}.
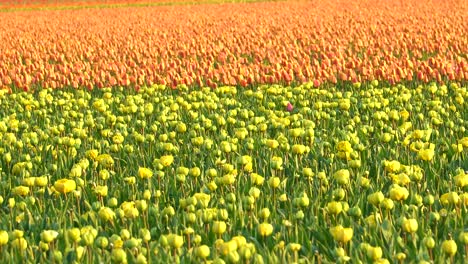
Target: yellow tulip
{"x": 175, "y": 241}
{"x": 426, "y": 154}
{"x": 449, "y": 247}
{"x": 398, "y": 193}
{"x": 21, "y": 190}
{"x": 461, "y": 180}
{"x": 294, "y": 247}
{"x": 299, "y": 149}
{"x": 341, "y": 234}
{"x": 342, "y": 176}
{"x": 274, "y": 182}
{"x": 101, "y": 190}
{"x": 119, "y": 255}
{"x": 106, "y": 214}
{"x": 374, "y": 253}
{"x": 19, "y": 243}
{"x": 219, "y": 227}
{"x": 65, "y": 186}
{"x": 376, "y": 198}
{"x": 145, "y": 173}
{"x": 3, "y": 237}
{"x": 202, "y": 251}
{"x": 48, "y": 236}
{"x": 265, "y": 229}
{"x": 344, "y": 146}
{"x": 450, "y": 198}
{"x": 334, "y": 207}
{"x": 410, "y": 225}
{"x": 272, "y": 143}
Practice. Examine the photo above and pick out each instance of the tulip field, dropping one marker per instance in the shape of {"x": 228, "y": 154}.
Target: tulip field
{"x": 263, "y": 132}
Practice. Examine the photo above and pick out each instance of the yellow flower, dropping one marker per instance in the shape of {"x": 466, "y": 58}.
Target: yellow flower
{"x": 182, "y": 171}
{"x": 20, "y": 243}
{"x": 195, "y": 172}
{"x": 41, "y": 181}
{"x": 118, "y": 138}
{"x": 461, "y": 180}
{"x": 106, "y": 214}
{"x": 374, "y": 253}
{"x": 344, "y": 146}
{"x": 74, "y": 234}
{"x": 48, "y": 236}
{"x": 373, "y": 219}
{"x": 202, "y": 251}
{"x": 3, "y": 237}
{"x": 265, "y": 229}
{"x": 387, "y": 204}
{"x": 197, "y": 141}
{"x": 129, "y": 209}
{"x": 277, "y": 163}
{"x": 417, "y": 134}
{"x": 463, "y": 237}
{"x": 21, "y": 190}
{"x": 118, "y": 255}
{"x": 335, "y": 207}
{"x": 426, "y": 154}
{"x": 104, "y": 174}
{"x": 65, "y": 186}
{"x": 464, "y": 199}
{"x": 299, "y": 149}
{"x": 145, "y": 173}
{"x": 429, "y": 242}
{"x": 105, "y": 160}
{"x": 130, "y": 180}
{"x": 410, "y": 225}
{"x": 219, "y": 227}
{"x": 400, "y": 178}
{"x": 76, "y": 171}
{"x": 29, "y": 181}
{"x": 274, "y": 182}
{"x": 449, "y": 247}
{"x": 375, "y": 198}
{"x": 101, "y": 190}
{"x": 227, "y": 247}
{"x": 175, "y": 241}
{"x": 355, "y": 164}
{"x": 392, "y": 166}
{"x": 294, "y": 247}
{"x": 341, "y": 234}
{"x": 225, "y": 146}
{"x": 308, "y": 172}
{"x": 240, "y": 240}
{"x": 342, "y": 176}
{"x": 404, "y": 114}
{"x": 398, "y": 193}
{"x": 457, "y": 148}
{"x": 166, "y": 160}
{"x": 463, "y": 142}
{"x": 386, "y": 137}
{"x": 272, "y": 143}
{"x": 450, "y": 198}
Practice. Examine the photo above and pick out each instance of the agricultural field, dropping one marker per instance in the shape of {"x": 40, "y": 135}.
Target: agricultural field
{"x": 266, "y": 132}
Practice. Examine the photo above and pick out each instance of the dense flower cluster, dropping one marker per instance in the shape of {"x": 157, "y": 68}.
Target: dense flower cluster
{"x": 232, "y": 175}
{"x": 242, "y": 44}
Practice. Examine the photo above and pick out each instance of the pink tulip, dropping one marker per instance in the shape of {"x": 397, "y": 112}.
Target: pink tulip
{"x": 289, "y": 107}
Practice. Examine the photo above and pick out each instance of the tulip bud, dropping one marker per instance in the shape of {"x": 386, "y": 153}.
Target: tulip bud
{"x": 410, "y": 225}
{"x": 202, "y": 251}
{"x": 265, "y": 229}
{"x": 219, "y": 227}
{"x": 449, "y": 247}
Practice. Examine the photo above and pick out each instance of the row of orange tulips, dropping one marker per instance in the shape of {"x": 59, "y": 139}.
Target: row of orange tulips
{"x": 235, "y": 44}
